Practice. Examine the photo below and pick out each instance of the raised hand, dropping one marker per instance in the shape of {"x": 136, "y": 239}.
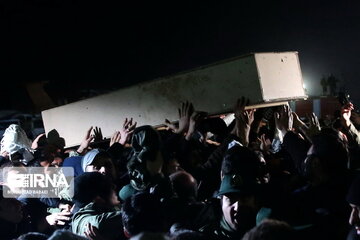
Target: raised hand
{"x": 34, "y": 144}
{"x": 346, "y": 114}
{"x": 185, "y": 113}
{"x": 314, "y": 127}
{"x": 195, "y": 119}
{"x": 243, "y": 120}
{"x": 86, "y": 141}
{"x": 127, "y": 130}
{"x": 265, "y": 143}
{"x": 171, "y": 126}
{"x": 284, "y": 120}
{"x": 244, "y": 117}
{"x": 297, "y": 123}
{"x": 98, "y": 137}
{"x": 115, "y": 138}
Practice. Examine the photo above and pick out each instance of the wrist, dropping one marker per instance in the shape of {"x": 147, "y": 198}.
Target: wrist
{"x": 80, "y": 150}
{"x": 346, "y": 123}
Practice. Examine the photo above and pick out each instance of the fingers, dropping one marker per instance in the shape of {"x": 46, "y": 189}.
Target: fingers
{"x": 88, "y": 132}
{"x": 100, "y": 132}
{"x": 315, "y": 120}
{"x": 39, "y": 136}
{"x": 276, "y": 116}
{"x": 186, "y": 109}
{"x": 190, "y": 109}
{"x": 295, "y": 115}
{"x": 263, "y": 138}
{"x": 60, "y": 223}
{"x": 117, "y": 136}
{"x": 91, "y": 232}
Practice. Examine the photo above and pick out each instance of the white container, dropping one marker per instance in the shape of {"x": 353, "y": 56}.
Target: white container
{"x": 267, "y": 79}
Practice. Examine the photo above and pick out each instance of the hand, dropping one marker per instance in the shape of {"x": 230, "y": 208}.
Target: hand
{"x": 314, "y": 127}
{"x": 195, "y": 118}
{"x": 284, "y": 120}
{"x": 346, "y": 114}
{"x": 244, "y": 117}
{"x": 171, "y": 126}
{"x": 185, "y": 112}
{"x": 93, "y": 233}
{"x": 297, "y": 123}
{"x": 5, "y": 154}
{"x": 98, "y": 137}
{"x": 265, "y": 143}
{"x": 34, "y": 144}
{"x": 115, "y": 138}
{"x": 59, "y": 219}
{"x": 127, "y": 130}
{"x": 86, "y": 142}
{"x": 66, "y": 207}
{"x": 243, "y": 120}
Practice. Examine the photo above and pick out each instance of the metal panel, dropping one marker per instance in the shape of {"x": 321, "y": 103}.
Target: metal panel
{"x": 280, "y": 75}
{"x": 213, "y": 88}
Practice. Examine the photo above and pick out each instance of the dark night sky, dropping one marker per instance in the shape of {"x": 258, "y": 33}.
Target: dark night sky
{"x": 88, "y": 44}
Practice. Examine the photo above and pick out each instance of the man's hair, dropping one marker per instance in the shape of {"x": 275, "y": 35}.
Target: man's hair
{"x": 184, "y": 184}
{"x": 270, "y": 230}
{"x": 240, "y": 160}
{"x": 89, "y": 185}
{"x": 142, "y": 212}
{"x": 331, "y": 151}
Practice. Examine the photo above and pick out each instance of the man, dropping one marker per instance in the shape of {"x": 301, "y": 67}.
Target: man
{"x": 94, "y": 195}
{"x": 143, "y": 212}
{"x": 239, "y": 208}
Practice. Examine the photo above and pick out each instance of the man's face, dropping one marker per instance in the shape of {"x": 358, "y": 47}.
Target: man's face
{"x": 239, "y": 211}
{"x": 354, "y": 219}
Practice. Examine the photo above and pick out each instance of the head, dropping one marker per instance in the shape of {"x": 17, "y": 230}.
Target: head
{"x": 142, "y": 212}
{"x": 327, "y": 158}
{"x": 146, "y": 160}
{"x": 241, "y": 160}
{"x": 239, "y": 201}
{"x": 184, "y": 184}
{"x": 270, "y": 230}
{"x": 100, "y": 161}
{"x": 353, "y": 198}
{"x": 51, "y": 155}
{"x": 216, "y": 126}
{"x": 93, "y": 187}
{"x": 12, "y": 173}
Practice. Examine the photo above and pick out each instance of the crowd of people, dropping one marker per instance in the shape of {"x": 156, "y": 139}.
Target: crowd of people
{"x": 263, "y": 174}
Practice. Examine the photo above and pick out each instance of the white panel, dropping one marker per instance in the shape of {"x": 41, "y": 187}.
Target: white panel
{"x": 213, "y": 88}
{"x": 280, "y": 75}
